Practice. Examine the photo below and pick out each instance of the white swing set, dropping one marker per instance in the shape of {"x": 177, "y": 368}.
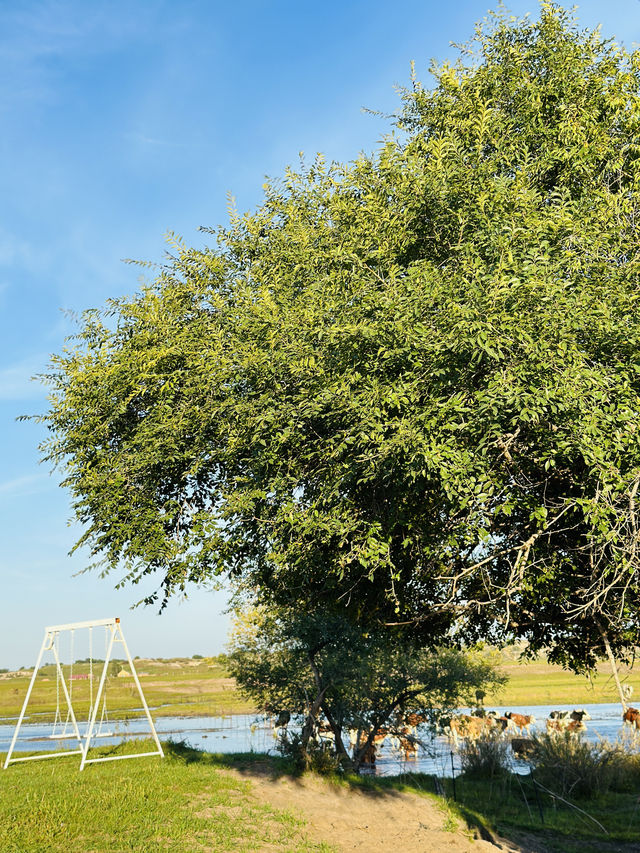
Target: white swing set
{"x": 95, "y": 727}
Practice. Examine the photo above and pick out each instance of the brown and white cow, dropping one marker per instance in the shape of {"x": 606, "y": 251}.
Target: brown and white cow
{"x": 572, "y": 727}
{"x": 632, "y": 716}
{"x": 468, "y": 727}
{"x": 406, "y": 742}
{"x": 413, "y": 720}
{"x": 370, "y": 755}
{"x": 521, "y": 721}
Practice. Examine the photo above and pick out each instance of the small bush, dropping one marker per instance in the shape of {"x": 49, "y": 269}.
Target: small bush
{"x": 628, "y": 776}
{"x": 320, "y": 758}
{"x": 571, "y": 766}
{"x": 485, "y": 758}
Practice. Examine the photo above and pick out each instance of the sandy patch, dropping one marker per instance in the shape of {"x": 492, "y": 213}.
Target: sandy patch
{"x": 370, "y": 821}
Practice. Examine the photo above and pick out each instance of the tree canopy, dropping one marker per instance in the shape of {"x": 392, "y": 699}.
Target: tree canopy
{"x": 320, "y": 667}
{"x": 409, "y": 384}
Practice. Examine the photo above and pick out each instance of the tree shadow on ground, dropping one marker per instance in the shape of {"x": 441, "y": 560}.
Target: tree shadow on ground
{"x": 274, "y": 768}
{"x": 479, "y": 810}
{"x": 254, "y": 762}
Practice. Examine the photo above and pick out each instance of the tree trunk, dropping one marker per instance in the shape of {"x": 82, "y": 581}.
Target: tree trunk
{"x": 307, "y": 729}
{"x": 345, "y": 758}
{"x": 614, "y": 666}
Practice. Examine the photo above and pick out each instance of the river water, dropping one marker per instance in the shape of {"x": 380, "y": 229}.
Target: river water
{"x": 248, "y": 733}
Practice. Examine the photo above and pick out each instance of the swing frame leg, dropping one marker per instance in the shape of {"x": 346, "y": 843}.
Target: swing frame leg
{"x": 48, "y": 644}
{"x": 117, "y": 636}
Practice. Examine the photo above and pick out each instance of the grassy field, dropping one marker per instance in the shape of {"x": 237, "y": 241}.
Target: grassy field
{"x": 202, "y": 687}
{"x": 190, "y": 801}
{"x": 181, "y": 686}
{"x": 176, "y": 804}
{"x": 541, "y": 683}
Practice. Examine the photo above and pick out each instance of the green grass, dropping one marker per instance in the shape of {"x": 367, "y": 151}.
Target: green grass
{"x": 510, "y": 807}
{"x": 183, "y": 686}
{"x": 188, "y": 802}
{"x": 185, "y": 802}
{"x": 540, "y": 683}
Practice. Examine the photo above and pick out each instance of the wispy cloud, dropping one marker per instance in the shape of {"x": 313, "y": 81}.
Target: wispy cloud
{"x": 17, "y": 382}
{"x": 26, "y": 485}
{"x": 142, "y": 139}
{"x": 32, "y": 34}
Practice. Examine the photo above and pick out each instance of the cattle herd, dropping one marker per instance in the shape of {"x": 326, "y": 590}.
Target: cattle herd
{"x": 404, "y": 737}
{"x": 517, "y": 726}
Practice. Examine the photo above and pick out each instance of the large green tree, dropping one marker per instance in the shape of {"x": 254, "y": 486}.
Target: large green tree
{"x": 409, "y": 384}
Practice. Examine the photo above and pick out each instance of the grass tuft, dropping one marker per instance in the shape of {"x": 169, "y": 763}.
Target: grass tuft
{"x": 485, "y": 758}
{"x": 574, "y": 767}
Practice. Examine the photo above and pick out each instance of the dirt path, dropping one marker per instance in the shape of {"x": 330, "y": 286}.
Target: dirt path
{"x": 369, "y": 821}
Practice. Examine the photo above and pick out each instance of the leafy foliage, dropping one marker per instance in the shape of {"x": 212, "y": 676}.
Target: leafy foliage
{"x": 318, "y": 665}
{"x": 411, "y": 382}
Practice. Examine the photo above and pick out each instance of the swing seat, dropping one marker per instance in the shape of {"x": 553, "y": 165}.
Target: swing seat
{"x": 62, "y": 736}
{"x": 103, "y": 734}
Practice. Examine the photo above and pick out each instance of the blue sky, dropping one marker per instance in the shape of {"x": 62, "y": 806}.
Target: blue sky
{"x": 121, "y": 121}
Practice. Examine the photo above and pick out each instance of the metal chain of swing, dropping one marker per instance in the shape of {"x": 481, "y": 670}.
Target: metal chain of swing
{"x": 57, "y": 719}
{"x": 90, "y": 671}
{"x": 71, "y": 646}
{"x": 104, "y": 717}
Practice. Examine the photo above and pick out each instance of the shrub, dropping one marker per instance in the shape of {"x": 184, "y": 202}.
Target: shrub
{"x": 485, "y": 758}
{"x": 320, "y": 758}
{"x": 571, "y": 766}
{"x": 628, "y": 776}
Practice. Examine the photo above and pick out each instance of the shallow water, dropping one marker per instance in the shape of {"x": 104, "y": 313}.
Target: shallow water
{"x": 246, "y": 733}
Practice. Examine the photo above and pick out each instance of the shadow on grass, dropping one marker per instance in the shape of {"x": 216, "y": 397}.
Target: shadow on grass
{"x": 537, "y": 820}
{"x": 274, "y": 768}
{"x": 502, "y": 810}
{"x": 256, "y": 763}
